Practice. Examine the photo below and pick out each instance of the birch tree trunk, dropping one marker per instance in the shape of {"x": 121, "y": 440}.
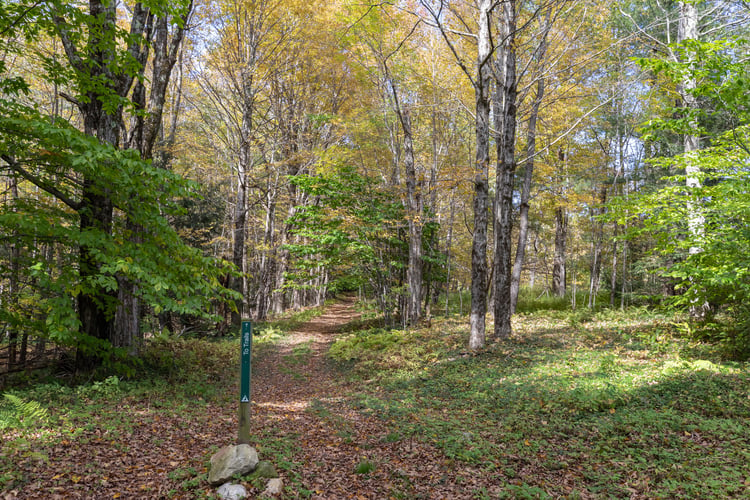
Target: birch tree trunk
{"x": 688, "y": 30}
{"x": 481, "y": 182}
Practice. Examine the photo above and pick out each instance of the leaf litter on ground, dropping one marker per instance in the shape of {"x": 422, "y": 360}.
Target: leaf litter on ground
{"x": 602, "y": 406}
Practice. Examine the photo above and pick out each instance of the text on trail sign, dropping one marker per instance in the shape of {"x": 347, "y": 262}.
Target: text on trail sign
{"x": 246, "y": 347}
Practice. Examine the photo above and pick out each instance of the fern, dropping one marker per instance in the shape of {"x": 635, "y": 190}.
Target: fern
{"x": 24, "y": 413}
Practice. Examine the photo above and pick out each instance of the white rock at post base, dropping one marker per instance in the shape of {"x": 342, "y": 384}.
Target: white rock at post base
{"x": 273, "y": 488}
{"x": 229, "y": 491}
{"x": 231, "y": 460}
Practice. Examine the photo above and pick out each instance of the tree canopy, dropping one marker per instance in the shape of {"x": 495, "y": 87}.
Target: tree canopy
{"x": 180, "y": 165}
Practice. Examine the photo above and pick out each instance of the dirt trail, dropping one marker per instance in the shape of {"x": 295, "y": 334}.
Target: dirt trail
{"x": 279, "y": 376}
{"x": 302, "y": 420}
{"x": 295, "y": 394}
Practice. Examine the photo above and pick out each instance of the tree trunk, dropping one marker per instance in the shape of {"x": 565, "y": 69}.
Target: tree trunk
{"x": 505, "y": 175}
{"x": 414, "y": 213}
{"x": 532, "y": 272}
{"x": 413, "y": 206}
{"x": 481, "y": 182}
{"x": 558, "y": 266}
{"x": 528, "y": 174}
{"x": 596, "y": 244}
{"x": 126, "y": 329}
{"x": 624, "y": 276}
{"x": 266, "y": 268}
{"x": 613, "y": 280}
{"x": 239, "y": 283}
{"x": 15, "y": 268}
{"x": 688, "y": 30}
{"x": 448, "y": 250}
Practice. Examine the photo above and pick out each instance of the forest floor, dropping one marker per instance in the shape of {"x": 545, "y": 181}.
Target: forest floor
{"x": 575, "y": 405}
{"x": 116, "y": 442}
{"x": 344, "y": 452}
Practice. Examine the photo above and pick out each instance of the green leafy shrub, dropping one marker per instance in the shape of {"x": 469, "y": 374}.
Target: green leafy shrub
{"x": 191, "y": 360}
{"x": 107, "y": 388}
{"x": 698, "y": 221}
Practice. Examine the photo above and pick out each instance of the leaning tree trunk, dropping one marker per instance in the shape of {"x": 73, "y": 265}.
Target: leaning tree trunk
{"x": 523, "y": 224}
{"x": 506, "y": 95}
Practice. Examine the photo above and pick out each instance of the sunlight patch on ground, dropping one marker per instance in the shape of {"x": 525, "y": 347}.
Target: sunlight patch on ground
{"x": 292, "y": 406}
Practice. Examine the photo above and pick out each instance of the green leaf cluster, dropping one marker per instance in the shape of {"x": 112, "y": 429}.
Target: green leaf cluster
{"x": 355, "y": 230}
{"x": 56, "y": 157}
{"x": 710, "y": 265}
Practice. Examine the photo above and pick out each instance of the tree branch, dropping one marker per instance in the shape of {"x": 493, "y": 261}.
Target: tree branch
{"x": 17, "y": 20}
{"x": 60, "y": 195}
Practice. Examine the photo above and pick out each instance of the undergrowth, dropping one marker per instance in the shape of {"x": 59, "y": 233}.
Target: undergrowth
{"x": 176, "y": 378}
{"x": 603, "y": 403}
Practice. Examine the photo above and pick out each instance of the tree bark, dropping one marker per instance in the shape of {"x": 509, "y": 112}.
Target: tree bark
{"x": 481, "y": 181}
{"x": 528, "y": 174}
{"x": 414, "y": 213}
{"x": 15, "y": 268}
{"x": 266, "y": 272}
{"x": 613, "y": 280}
{"x": 505, "y": 174}
{"x": 596, "y": 247}
{"x": 239, "y": 283}
{"x": 96, "y": 62}
{"x": 688, "y": 30}
{"x": 558, "y": 266}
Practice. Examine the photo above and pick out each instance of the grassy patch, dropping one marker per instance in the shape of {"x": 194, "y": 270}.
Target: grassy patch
{"x": 376, "y": 353}
{"x": 288, "y": 321}
{"x": 602, "y": 403}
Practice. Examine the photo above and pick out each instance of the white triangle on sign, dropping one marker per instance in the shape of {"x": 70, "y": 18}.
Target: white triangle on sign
{"x": 244, "y": 399}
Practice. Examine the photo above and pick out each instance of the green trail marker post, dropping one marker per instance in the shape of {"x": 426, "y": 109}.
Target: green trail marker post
{"x": 246, "y": 350}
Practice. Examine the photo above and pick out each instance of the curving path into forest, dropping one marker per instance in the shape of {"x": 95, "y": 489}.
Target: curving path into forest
{"x": 298, "y": 399}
